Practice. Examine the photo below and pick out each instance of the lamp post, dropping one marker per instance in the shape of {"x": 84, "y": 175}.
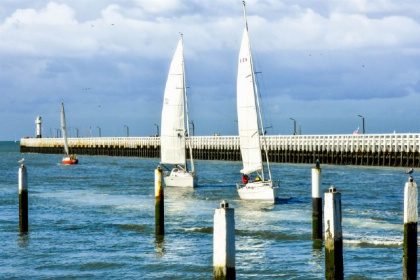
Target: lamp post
{"x": 294, "y": 126}
{"x": 77, "y": 132}
{"x": 127, "y": 134}
{"x": 99, "y": 131}
{"x": 363, "y": 120}
{"x": 192, "y": 123}
{"x": 157, "y": 130}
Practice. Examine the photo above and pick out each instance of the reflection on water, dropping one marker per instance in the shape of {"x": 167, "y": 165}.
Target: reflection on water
{"x": 160, "y": 245}
{"x": 23, "y": 239}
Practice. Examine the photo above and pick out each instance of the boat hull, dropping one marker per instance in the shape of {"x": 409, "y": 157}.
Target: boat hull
{"x": 261, "y": 190}
{"x": 69, "y": 160}
{"x": 180, "y": 178}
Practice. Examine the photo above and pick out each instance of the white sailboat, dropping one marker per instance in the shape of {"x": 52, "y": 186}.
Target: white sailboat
{"x": 250, "y": 124}
{"x": 175, "y": 126}
{"x": 68, "y": 158}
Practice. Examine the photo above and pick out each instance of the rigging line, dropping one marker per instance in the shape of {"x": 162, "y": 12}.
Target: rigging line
{"x": 186, "y": 109}
{"x": 266, "y": 112}
{"x": 261, "y": 87}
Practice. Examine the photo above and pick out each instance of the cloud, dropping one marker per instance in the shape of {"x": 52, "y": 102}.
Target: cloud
{"x": 118, "y": 54}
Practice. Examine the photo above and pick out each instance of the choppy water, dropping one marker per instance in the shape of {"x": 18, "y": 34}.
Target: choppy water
{"x": 95, "y": 220}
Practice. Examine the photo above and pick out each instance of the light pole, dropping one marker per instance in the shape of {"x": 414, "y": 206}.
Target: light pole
{"x": 192, "y": 123}
{"x": 157, "y": 130}
{"x": 77, "y": 132}
{"x": 294, "y": 126}
{"x": 126, "y": 126}
{"x": 99, "y": 131}
{"x": 363, "y": 120}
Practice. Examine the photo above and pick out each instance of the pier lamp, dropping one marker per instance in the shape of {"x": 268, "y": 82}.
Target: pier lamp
{"x": 157, "y": 130}
{"x": 363, "y": 120}
{"x": 126, "y": 126}
{"x": 99, "y": 131}
{"x": 192, "y": 123}
{"x": 294, "y": 126}
{"x": 265, "y": 130}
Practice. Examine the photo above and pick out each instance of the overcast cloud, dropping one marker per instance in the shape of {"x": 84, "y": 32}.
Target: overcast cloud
{"x": 321, "y": 62}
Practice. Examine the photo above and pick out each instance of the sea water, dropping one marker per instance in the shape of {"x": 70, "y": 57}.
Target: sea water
{"x": 95, "y": 220}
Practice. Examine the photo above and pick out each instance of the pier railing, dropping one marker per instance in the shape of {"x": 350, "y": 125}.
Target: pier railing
{"x": 282, "y": 148}
{"x": 335, "y": 143}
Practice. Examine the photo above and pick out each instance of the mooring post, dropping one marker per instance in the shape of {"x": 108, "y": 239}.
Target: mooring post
{"x": 410, "y": 230}
{"x": 224, "y": 243}
{"x": 23, "y": 199}
{"x": 159, "y": 203}
{"x": 333, "y": 235}
{"x": 316, "y": 201}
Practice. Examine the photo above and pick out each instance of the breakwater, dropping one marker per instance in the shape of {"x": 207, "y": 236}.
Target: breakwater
{"x": 398, "y": 150}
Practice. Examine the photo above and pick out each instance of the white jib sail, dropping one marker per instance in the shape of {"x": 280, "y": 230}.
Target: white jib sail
{"x": 247, "y": 114}
{"x": 173, "y": 123}
{"x": 64, "y": 129}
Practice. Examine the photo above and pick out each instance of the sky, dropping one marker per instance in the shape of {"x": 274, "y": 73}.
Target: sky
{"x": 321, "y": 63}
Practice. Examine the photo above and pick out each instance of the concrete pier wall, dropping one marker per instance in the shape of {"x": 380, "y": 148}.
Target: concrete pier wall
{"x": 399, "y": 150}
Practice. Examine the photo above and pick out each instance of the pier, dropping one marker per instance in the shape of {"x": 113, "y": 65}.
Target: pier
{"x": 396, "y": 150}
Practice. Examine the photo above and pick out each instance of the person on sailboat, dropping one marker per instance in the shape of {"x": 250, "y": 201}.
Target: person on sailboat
{"x": 245, "y": 179}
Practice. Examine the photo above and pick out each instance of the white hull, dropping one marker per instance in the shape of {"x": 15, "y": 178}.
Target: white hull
{"x": 264, "y": 191}
{"x": 180, "y": 178}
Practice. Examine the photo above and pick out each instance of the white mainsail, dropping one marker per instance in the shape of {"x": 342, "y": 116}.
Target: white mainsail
{"x": 250, "y": 123}
{"x": 64, "y": 129}
{"x": 249, "y": 136}
{"x": 173, "y": 120}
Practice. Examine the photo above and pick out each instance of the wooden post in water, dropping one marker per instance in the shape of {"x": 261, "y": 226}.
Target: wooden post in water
{"x": 333, "y": 235}
{"x": 224, "y": 243}
{"x": 410, "y": 230}
{"x": 316, "y": 202}
{"x": 23, "y": 199}
{"x": 159, "y": 203}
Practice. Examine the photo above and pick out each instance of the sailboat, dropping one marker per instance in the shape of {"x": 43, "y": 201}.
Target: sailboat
{"x": 250, "y": 123}
{"x": 68, "y": 158}
{"x": 175, "y": 126}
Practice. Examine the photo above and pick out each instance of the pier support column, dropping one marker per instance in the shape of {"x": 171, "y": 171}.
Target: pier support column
{"x": 316, "y": 202}
{"x": 23, "y": 199}
{"x": 159, "y": 203}
{"x": 333, "y": 235}
{"x": 224, "y": 243}
{"x": 410, "y": 230}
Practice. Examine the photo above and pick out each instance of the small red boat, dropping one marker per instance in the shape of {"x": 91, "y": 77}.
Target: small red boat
{"x": 72, "y": 159}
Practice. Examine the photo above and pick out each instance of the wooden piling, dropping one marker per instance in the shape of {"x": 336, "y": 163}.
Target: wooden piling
{"x": 159, "y": 203}
{"x": 23, "y": 199}
{"x": 333, "y": 235}
{"x": 224, "y": 243}
{"x": 316, "y": 202}
{"x": 410, "y": 230}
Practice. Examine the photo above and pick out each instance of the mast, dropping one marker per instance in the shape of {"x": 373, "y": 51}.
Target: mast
{"x": 257, "y": 99}
{"x": 184, "y": 85}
